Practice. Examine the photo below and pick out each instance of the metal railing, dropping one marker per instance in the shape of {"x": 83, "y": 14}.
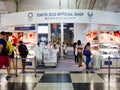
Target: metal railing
{"x": 16, "y": 58}
{"x": 109, "y": 60}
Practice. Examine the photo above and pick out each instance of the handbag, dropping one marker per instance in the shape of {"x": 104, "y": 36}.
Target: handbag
{"x": 86, "y": 53}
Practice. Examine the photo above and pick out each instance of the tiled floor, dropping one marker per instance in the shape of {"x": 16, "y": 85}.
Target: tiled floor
{"x": 87, "y": 80}
{"x": 55, "y": 79}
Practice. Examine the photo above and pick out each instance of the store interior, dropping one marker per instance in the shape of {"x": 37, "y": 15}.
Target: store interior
{"x": 104, "y": 41}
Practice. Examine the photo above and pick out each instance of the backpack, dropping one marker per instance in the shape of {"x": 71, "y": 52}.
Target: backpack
{"x": 9, "y": 47}
{"x": 23, "y": 50}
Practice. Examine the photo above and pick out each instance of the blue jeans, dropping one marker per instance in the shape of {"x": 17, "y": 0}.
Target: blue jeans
{"x": 76, "y": 59}
{"x": 88, "y": 59}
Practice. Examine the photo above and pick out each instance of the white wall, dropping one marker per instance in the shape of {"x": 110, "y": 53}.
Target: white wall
{"x": 68, "y": 4}
{"x": 78, "y": 32}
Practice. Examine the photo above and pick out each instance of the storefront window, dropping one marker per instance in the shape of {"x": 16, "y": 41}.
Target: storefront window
{"x": 68, "y": 33}
{"x": 56, "y": 33}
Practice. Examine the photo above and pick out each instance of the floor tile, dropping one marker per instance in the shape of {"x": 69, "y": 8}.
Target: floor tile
{"x": 54, "y": 85}
{"x": 88, "y": 71}
{"x": 53, "y": 88}
{"x": 68, "y": 88}
{"x": 40, "y": 88}
{"x": 76, "y": 71}
{"x": 57, "y": 72}
{"x": 116, "y": 86}
{"x": 26, "y": 78}
{"x": 18, "y": 86}
{"x": 66, "y": 85}
{"x": 48, "y": 86}
{"x": 113, "y": 77}
{"x": 55, "y": 78}
{"x": 91, "y": 86}
{"x": 37, "y": 72}
{"x": 42, "y": 85}
{"x": 112, "y": 71}
{"x": 83, "y": 78}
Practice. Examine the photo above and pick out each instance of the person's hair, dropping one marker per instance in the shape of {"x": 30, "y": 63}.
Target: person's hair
{"x": 3, "y": 33}
{"x": 78, "y": 42}
{"x": 20, "y": 42}
{"x": 14, "y": 44}
{"x": 74, "y": 44}
{"x": 87, "y": 44}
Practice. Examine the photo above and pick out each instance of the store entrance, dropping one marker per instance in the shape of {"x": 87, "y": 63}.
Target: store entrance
{"x": 57, "y": 35}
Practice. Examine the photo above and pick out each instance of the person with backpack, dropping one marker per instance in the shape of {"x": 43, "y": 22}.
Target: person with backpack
{"x": 4, "y": 57}
{"x": 10, "y": 50}
{"x": 12, "y": 56}
{"x": 23, "y": 51}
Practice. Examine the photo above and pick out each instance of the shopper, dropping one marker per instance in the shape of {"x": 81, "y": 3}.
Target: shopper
{"x": 64, "y": 48}
{"x": 13, "y": 49}
{"x": 75, "y": 52}
{"x": 87, "y": 53}
{"x": 4, "y": 58}
{"x": 79, "y": 53}
{"x": 12, "y": 56}
{"x": 23, "y": 51}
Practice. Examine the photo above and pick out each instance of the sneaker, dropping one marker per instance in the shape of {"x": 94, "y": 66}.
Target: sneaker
{"x": 8, "y": 77}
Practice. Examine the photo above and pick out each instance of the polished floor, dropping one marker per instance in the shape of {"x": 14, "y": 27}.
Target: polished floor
{"x": 53, "y": 79}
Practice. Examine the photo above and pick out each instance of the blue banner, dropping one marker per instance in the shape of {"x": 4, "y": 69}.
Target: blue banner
{"x": 24, "y": 28}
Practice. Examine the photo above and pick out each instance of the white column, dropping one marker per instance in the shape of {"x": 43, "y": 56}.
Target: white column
{"x": 62, "y": 33}
{"x": 62, "y": 38}
{"x": 36, "y": 26}
{"x": 49, "y": 32}
{"x": 78, "y": 32}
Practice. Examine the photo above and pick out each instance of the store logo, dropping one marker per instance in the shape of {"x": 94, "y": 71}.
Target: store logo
{"x": 30, "y": 16}
{"x": 90, "y": 14}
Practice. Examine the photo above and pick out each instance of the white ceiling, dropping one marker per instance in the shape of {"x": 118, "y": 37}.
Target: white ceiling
{"x": 9, "y": 6}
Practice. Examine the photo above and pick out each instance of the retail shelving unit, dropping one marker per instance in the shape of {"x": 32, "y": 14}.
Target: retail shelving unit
{"x": 109, "y": 46}
{"x": 104, "y": 44}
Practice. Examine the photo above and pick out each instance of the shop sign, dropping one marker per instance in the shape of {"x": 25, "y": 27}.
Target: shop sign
{"x": 24, "y": 28}
{"x": 61, "y": 16}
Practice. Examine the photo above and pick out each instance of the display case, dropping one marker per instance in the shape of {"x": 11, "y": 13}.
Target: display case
{"x": 109, "y": 47}
{"x": 109, "y": 50}
{"x": 50, "y": 57}
{"x": 105, "y": 44}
